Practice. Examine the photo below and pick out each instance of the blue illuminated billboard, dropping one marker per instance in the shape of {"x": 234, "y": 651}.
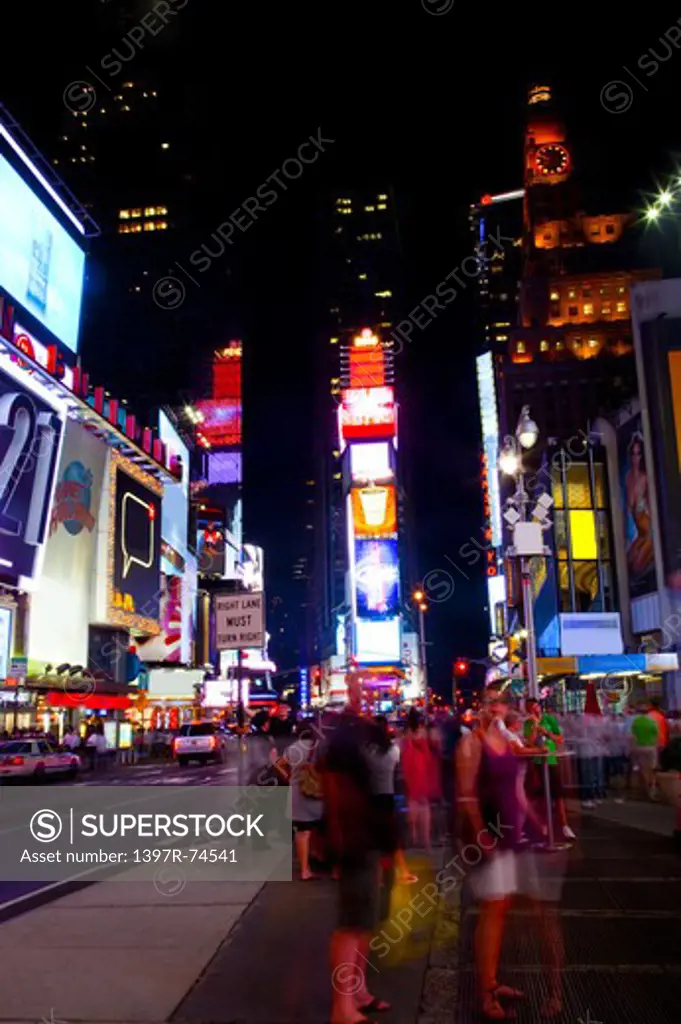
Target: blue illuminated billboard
{"x": 41, "y": 267}
{"x": 376, "y": 578}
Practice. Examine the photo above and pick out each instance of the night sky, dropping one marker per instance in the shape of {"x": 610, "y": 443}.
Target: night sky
{"x": 432, "y": 105}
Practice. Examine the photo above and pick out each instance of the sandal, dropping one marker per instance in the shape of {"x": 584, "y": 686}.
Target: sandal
{"x": 492, "y": 1009}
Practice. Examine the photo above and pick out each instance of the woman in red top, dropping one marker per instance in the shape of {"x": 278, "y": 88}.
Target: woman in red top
{"x": 421, "y": 778}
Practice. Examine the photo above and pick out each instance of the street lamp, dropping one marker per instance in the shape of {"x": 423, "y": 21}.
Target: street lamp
{"x": 419, "y": 599}
{"x": 527, "y": 430}
{"x": 527, "y": 535}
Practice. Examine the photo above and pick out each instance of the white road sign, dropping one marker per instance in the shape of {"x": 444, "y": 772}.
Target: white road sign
{"x": 239, "y": 621}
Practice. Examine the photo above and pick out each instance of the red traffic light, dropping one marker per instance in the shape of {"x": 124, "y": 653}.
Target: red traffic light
{"x": 461, "y": 667}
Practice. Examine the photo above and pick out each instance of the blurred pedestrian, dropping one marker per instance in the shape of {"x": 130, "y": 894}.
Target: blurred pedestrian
{"x": 307, "y": 808}
{"x": 490, "y": 810}
{"x": 420, "y": 770}
{"x": 354, "y": 842}
{"x": 384, "y": 755}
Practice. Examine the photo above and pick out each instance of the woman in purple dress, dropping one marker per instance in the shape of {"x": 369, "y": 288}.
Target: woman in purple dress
{"x": 489, "y": 814}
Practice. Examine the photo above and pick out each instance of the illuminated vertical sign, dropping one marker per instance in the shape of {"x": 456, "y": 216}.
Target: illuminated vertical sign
{"x": 490, "y": 439}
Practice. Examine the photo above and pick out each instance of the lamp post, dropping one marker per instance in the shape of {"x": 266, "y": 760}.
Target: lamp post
{"x": 526, "y": 533}
{"x": 420, "y": 599}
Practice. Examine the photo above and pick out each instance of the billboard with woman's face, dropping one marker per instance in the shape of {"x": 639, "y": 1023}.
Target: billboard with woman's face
{"x": 636, "y": 503}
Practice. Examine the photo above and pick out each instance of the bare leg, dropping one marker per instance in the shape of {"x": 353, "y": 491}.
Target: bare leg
{"x": 348, "y": 975}
{"x": 303, "y": 853}
{"x": 488, "y": 937}
{"x": 426, "y": 824}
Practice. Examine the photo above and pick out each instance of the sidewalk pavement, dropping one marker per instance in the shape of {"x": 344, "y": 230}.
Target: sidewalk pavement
{"x": 233, "y": 953}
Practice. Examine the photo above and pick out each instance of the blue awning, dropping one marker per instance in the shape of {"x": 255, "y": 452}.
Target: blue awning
{"x": 605, "y": 664}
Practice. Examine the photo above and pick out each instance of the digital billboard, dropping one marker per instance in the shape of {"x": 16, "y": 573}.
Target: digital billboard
{"x": 221, "y": 424}
{"x": 224, "y": 467}
{"x": 367, "y": 413}
{"x": 166, "y": 645}
{"x": 378, "y": 643}
{"x": 635, "y": 489}
{"x": 371, "y": 462}
{"x": 61, "y": 606}
{"x": 376, "y": 578}
{"x": 374, "y": 510}
{"x": 134, "y": 593}
{"x": 175, "y": 508}
{"x": 30, "y": 438}
{"x": 367, "y": 363}
{"x": 210, "y": 542}
{"x": 41, "y": 266}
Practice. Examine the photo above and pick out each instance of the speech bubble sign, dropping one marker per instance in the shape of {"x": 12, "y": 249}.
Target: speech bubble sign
{"x": 138, "y": 533}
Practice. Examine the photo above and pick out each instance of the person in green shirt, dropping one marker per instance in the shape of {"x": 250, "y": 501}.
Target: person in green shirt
{"x": 542, "y": 729}
{"x": 644, "y": 740}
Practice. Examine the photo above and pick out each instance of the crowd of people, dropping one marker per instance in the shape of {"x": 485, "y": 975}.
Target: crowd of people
{"x": 495, "y": 785}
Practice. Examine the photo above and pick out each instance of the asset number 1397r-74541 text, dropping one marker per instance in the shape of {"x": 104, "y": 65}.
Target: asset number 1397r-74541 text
{"x": 184, "y": 856}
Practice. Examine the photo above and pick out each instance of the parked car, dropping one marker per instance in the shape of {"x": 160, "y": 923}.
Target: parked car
{"x": 200, "y": 741}
{"x": 36, "y": 759}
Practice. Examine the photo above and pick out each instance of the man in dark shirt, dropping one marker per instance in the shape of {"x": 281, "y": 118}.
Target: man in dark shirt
{"x": 354, "y": 843}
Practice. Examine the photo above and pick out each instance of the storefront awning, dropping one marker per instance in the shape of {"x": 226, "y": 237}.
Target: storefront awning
{"x": 92, "y": 702}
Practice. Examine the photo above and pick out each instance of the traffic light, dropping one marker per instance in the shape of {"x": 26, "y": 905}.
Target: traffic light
{"x": 460, "y": 667}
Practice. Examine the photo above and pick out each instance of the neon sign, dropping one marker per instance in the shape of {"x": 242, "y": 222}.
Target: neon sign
{"x": 367, "y": 413}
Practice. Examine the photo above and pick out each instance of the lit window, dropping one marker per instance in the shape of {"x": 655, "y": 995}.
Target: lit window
{"x": 593, "y": 342}
{"x": 381, "y": 206}
{"x": 125, "y": 107}
{"x": 583, "y": 535}
{"x": 383, "y": 199}
{"x": 165, "y": 145}
{"x": 362, "y": 277}
{"x": 604, "y": 290}
{"x": 621, "y": 289}
{"x": 621, "y": 307}
{"x": 137, "y": 288}
{"x": 560, "y": 346}
{"x": 162, "y": 211}
{"x": 149, "y": 211}
{"x": 334, "y": 341}
{"x": 128, "y": 85}
{"x": 150, "y": 226}
{"x": 383, "y": 295}
{"x": 577, "y": 342}
{"x": 555, "y": 296}
{"x": 543, "y": 346}
{"x": 118, "y": 97}
{"x": 161, "y": 225}
{"x": 369, "y": 209}
{"x": 572, "y": 294}
{"x": 136, "y": 213}
{"x": 124, "y": 214}
{"x": 503, "y": 337}
{"x": 520, "y": 347}
{"x": 588, "y": 308}
{"x": 606, "y": 308}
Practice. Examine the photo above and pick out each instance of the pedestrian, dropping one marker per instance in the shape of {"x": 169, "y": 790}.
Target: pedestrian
{"x": 488, "y": 793}
{"x": 662, "y": 726}
{"x": 307, "y": 808}
{"x": 644, "y": 750}
{"x": 420, "y": 770}
{"x": 71, "y": 741}
{"x": 92, "y": 749}
{"x": 354, "y": 842}
{"x": 542, "y": 730}
{"x": 383, "y": 755}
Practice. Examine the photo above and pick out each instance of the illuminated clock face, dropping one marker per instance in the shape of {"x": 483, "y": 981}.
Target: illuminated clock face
{"x": 552, "y": 159}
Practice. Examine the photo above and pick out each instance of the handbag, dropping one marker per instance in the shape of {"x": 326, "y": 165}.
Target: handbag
{"x": 309, "y": 779}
